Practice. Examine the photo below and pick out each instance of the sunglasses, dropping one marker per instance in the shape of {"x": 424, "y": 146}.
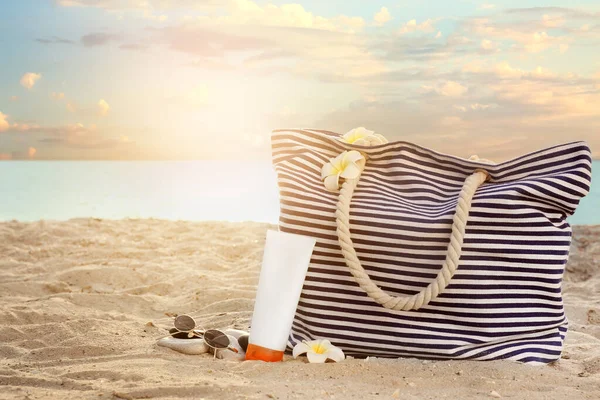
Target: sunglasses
{"x": 186, "y": 327}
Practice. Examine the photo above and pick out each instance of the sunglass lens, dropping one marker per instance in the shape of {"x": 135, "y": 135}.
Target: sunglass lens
{"x": 184, "y": 323}
{"x": 216, "y": 339}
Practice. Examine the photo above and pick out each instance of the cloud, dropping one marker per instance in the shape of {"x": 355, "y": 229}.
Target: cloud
{"x": 507, "y": 110}
{"x": 158, "y": 18}
{"x": 453, "y": 89}
{"x": 503, "y": 106}
{"x": 244, "y": 12}
{"x": 54, "y": 40}
{"x": 133, "y": 47}
{"x": 534, "y": 30}
{"x": 247, "y": 12}
{"x": 486, "y": 131}
{"x": 82, "y": 3}
{"x": 75, "y": 135}
{"x": 487, "y": 6}
{"x": 98, "y": 39}
{"x": 451, "y": 120}
{"x": 382, "y": 17}
{"x": 14, "y": 98}
{"x": 4, "y": 125}
{"x": 84, "y": 138}
{"x": 475, "y": 107}
{"x": 100, "y": 108}
{"x": 72, "y": 135}
{"x": 309, "y": 53}
{"x": 71, "y": 107}
{"x": 22, "y": 127}
{"x": 57, "y": 95}
{"x": 75, "y": 129}
{"x": 246, "y": 33}
{"x": 31, "y": 152}
{"x": 478, "y": 106}
{"x": 488, "y": 45}
{"x": 504, "y": 70}
{"x": 524, "y": 36}
{"x": 552, "y": 21}
{"x": 570, "y": 13}
{"x": 196, "y": 39}
{"x": 552, "y": 100}
{"x": 103, "y": 107}
{"x": 412, "y": 26}
{"x": 473, "y": 66}
{"x": 449, "y": 88}
{"x": 146, "y": 5}
{"x": 29, "y": 79}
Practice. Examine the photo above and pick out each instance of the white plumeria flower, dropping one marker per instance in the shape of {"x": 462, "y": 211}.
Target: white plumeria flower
{"x": 363, "y": 137}
{"x": 319, "y": 351}
{"x": 347, "y": 165}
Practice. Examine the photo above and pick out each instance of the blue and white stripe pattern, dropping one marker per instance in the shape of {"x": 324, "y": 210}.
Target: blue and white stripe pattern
{"x": 504, "y": 300}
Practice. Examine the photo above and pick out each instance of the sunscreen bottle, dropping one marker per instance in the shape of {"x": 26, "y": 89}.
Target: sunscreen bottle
{"x": 285, "y": 262}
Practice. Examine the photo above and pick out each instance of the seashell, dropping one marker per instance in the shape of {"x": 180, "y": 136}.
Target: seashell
{"x": 236, "y": 333}
{"x": 185, "y": 346}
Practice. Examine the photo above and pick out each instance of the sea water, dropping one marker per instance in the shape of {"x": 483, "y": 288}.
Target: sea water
{"x": 174, "y": 190}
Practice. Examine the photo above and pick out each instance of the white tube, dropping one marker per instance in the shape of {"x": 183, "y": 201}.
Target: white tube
{"x": 285, "y": 262}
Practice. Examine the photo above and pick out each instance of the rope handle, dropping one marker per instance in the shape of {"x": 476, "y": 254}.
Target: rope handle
{"x": 414, "y": 302}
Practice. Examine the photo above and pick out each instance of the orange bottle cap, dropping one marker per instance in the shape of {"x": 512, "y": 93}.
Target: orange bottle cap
{"x": 255, "y": 352}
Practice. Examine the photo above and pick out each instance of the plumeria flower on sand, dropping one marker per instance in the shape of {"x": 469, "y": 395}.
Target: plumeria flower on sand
{"x": 319, "y": 351}
{"x": 347, "y": 165}
{"x": 363, "y": 137}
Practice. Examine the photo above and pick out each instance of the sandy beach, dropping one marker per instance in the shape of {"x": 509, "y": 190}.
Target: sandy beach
{"x": 83, "y": 301}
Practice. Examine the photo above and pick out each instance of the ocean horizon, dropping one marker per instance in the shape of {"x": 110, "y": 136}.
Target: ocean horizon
{"x": 172, "y": 190}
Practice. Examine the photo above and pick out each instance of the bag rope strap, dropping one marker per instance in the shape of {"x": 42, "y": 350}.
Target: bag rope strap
{"x": 459, "y": 223}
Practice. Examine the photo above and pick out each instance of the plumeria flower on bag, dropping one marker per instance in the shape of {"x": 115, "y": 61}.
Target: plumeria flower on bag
{"x": 363, "y": 137}
{"x": 347, "y": 165}
{"x": 319, "y": 351}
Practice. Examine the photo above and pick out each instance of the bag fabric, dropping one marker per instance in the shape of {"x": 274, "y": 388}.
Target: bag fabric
{"x": 503, "y": 301}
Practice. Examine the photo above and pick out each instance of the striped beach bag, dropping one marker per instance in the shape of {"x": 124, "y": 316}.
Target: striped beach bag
{"x": 427, "y": 255}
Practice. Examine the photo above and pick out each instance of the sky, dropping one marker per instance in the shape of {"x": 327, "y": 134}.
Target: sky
{"x": 210, "y": 79}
